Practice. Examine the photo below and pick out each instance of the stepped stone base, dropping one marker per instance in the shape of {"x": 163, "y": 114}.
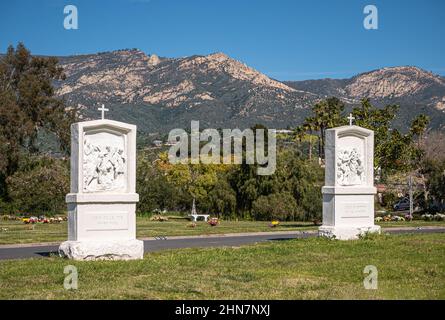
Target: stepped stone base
{"x": 102, "y": 250}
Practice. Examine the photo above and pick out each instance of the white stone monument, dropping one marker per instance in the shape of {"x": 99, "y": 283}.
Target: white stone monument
{"x": 102, "y": 201}
{"x": 348, "y": 194}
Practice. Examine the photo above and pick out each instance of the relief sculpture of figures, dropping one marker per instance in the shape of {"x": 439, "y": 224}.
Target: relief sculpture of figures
{"x": 103, "y": 167}
{"x": 350, "y": 170}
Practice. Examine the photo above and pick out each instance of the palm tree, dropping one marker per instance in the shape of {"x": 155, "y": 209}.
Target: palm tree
{"x": 309, "y": 126}
{"x": 418, "y": 126}
{"x": 327, "y": 114}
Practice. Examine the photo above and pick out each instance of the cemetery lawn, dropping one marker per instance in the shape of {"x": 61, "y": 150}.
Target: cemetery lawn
{"x": 410, "y": 266}
{"x": 17, "y": 232}
{"x": 13, "y": 232}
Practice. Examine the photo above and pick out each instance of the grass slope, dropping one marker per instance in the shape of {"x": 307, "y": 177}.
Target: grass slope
{"x": 409, "y": 266}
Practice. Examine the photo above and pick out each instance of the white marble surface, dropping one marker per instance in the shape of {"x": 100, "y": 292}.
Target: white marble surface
{"x": 103, "y": 250}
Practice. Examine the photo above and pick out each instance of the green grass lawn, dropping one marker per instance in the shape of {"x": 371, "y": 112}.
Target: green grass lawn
{"x": 409, "y": 266}
{"x": 16, "y": 232}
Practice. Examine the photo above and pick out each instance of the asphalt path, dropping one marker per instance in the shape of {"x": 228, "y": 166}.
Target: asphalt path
{"x": 151, "y": 245}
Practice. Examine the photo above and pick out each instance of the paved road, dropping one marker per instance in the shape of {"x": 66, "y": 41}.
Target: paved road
{"x": 36, "y": 251}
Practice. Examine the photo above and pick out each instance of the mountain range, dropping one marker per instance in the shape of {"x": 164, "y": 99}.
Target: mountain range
{"x": 159, "y": 93}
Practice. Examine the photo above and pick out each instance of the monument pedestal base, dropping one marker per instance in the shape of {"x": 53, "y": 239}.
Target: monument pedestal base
{"x": 102, "y": 250}
{"x": 346, "y": 233}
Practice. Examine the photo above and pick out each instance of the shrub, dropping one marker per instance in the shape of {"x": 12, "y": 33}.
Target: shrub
{"x": 222, "y": 199}
{"x": 275, "y": 206}
{"x": 41, "y": 188}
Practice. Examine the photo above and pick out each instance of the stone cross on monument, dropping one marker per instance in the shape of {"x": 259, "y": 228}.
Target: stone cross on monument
{"x": 350, "y": 118}
{"x": 103, "y": 109}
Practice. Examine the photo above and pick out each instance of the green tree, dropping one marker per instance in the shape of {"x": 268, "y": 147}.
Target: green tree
{"x": 436, "y": 184}
{"x": 280, "y": 206}
{"x": 419, "y": 126}
{"x": 194, "y": 180}
{"x": 155, "y": 192}
{"x": 222, "y": 199}
{"x": 394, "y": 151}
{"x": 39, "y": 186}
{"x": 326, "y": 114}
{"x": 300, "y": 178}
{"x": 28, "y": 105}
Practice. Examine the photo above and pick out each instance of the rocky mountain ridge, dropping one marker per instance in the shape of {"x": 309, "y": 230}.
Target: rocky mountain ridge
{"x": 159, "y": 93}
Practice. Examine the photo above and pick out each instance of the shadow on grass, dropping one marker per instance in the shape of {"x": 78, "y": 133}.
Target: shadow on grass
{"x": 300, "y": 236}
{"x": 297, "y": 225}
{"x": 48, "y": 254}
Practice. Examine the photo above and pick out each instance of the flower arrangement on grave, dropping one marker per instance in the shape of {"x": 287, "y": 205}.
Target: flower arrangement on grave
{"x": 213, "y": 222}
{"x": 431, "y": 217}
{"x": 159, "y": 218}
{"x": 33, "y": 219}
{"x": 274, "y": 223}
{"x": 42, "y": 219}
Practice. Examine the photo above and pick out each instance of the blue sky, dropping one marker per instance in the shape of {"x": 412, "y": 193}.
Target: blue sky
{"x": 286, "y": 39}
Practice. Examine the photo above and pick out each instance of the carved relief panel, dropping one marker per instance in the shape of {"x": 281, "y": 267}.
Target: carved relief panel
{"x": 350, "y": 167}
{"x": 104, "y": 164}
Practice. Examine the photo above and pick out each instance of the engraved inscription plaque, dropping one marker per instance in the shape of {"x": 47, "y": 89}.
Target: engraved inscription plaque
{"x": 107, "y": 221}
{"x": 354, "y": 209}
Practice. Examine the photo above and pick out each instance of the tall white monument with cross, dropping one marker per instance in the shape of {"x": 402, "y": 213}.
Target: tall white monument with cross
{"x": 102, "y": 200}
{"x": 348, "y": 194}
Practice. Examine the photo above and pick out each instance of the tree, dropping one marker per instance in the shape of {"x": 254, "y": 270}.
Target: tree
{"x": 39, "y": 186}
{"x": 432, "y": 168}
{"x": 394, "y": 151}
{"x": 222, "y": 198}
{"x": 28, "y": 105}
{"x": 195, "y": 180}
{"x": 309, "y": 126}
{"x": 275, "y": 206}
{"x": 155, "y": 192}
{"x": 419, "y": 126}
{"x": 300, "y": 178}
{"x": 326, "y": 114}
